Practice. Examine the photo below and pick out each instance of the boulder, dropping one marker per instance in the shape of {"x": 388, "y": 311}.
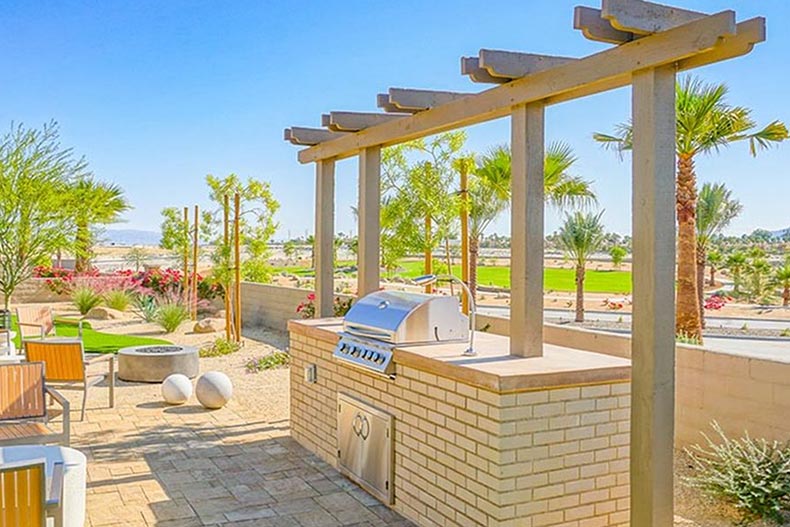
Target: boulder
{"x": 209, "y": 325}
{"x": 104, "y": 313}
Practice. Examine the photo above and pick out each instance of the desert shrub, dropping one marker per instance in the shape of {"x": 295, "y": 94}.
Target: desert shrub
{"x": 85, "y": 299}
{"x": 276, "y": 359}
{"x": 752, "y": 475}
{"x": 170, "y": 314}
{"x": 119, "y": 299}
{"x": 146, "y": 305}
{"x": 220, "y": 347}
{"x": 684, "y": 338}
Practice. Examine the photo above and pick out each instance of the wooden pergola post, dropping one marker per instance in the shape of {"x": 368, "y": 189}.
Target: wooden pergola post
{"x": 324, "y": 237}
{"x": 368, "y": 256}
{"x": 653, "y": 321}
{"x": 526, "y": 230}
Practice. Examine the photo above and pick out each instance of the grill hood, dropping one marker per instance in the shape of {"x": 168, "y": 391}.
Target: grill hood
{"x": 399, "y": 317}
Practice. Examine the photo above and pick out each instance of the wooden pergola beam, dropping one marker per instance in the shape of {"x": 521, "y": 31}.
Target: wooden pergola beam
{"x": 599, "y": 72}
{"x": 383, "y": 103}
{"x": 496, "y": 66}
{"x": 470, "y": 66}
{"x": 593, "y": 26}
{"x": 298, "y": 135}
{"x": 748, "y": 33}
{"x": 640, "y": 17}
{"x": 354, "y": 121}
{"x": 409, "y": 99}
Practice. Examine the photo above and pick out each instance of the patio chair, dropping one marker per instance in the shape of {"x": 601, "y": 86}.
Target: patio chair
{"x": 39, "y": 322}
{"x": 23, "y": 412}
{"x": 25, "y": 499}
{"x": 67, "y": 366}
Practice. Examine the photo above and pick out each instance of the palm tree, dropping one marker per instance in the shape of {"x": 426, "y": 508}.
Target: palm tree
{"x": 736, "y": 263}
{"x": 716, "y": 208}
{"x": 581, "y": 235}
{"x": 783, "y": 279}
{"x": 705, "y": 123}
{"x": 489, "y": 191}
{"x": 715, "y": 259}
{"x": 93, "y": 203}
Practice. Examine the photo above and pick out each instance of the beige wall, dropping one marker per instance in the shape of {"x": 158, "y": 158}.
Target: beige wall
{"x": 740, "y": 393}
{"x": 34, "y": 291}
{"x": 469, "y": 457}
{"x": 271, "y": 306}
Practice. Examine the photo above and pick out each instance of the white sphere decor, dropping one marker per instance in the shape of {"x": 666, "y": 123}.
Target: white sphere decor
{"x": 214, "y": 389}
{"x": 176, "y": 389}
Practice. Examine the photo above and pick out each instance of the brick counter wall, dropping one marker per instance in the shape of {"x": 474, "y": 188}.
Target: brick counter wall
{"x": 470, "y": 457}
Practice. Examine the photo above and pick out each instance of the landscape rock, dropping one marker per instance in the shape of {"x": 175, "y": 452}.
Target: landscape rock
{"x": 104, "y": 313}
{"x": 209, "y": 325}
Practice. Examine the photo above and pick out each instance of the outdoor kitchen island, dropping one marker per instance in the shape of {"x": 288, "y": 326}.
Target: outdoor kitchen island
{"x": 489, "y": 440}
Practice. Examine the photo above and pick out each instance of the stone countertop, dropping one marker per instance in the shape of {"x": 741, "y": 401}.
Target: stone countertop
{"x": 493, "y": 368}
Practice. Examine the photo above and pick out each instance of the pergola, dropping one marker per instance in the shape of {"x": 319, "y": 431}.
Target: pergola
{"x": 652, "y": 43}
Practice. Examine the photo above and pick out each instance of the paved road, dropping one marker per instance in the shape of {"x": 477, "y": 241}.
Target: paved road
{"x": 765, "y": 348}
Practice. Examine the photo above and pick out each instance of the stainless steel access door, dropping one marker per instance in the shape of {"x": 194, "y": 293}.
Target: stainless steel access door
{"x": 365, "y": 446}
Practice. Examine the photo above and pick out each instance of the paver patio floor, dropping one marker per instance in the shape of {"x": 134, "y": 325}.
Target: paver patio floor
{"x": 156, "y": 465}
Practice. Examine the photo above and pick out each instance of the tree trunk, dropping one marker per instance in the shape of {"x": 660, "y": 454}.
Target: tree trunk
{"x": 701, "y": 257}
{"x": 786, "y": 296}
{"x": 474, "y": 247}
{"x": 449, "y": 258}
{"x": 579, "y": 293}
{"x": 712, "y": 282}
{"x": 687, "y": 321}
{"x": 82, "y": 249}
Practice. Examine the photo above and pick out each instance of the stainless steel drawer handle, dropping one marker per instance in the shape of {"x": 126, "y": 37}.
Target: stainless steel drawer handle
{"x": 361, "y": 426}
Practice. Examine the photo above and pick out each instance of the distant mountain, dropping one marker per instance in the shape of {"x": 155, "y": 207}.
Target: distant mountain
{"x": 780, "y": 233}
{"x": 129, "y": 237}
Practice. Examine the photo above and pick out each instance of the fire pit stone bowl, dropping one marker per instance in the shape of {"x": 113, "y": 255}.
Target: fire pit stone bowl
{"x": 154, "y": 363}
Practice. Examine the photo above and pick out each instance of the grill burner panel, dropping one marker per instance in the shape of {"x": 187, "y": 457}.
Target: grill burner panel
{"x": 368, "y": 354}
{"x": 380, "y": 321}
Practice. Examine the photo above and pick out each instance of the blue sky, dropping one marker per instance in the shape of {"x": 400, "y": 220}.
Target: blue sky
{"x": 158, "y": 94}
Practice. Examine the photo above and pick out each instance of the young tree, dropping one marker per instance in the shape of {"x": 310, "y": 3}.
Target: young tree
{"x": 582, "y": 234}
{"x": 783, "y": 279}
{"x": 257, "y": 226}
{"x": 94, "y": 203}
{"x": 35, "y": 175}
{"x": 489, "y": 191}
{"x": 715, "y": 260}
{"x": 716, "y": 208}
{"x": 706, "y": 122}
{"x": 289, "y": 249}
{"x": 175, "y": 237}
{"x": 617, "y": 253}
{"x": 736, "y": 263}
{"x": 136, "y": 257}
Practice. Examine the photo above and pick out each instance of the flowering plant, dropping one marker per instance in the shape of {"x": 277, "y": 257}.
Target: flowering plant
{"x": 716, "y": 302}
{"x": 306, "y": 309}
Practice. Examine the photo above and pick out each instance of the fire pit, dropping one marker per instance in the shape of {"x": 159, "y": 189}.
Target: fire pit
{"x": 155, "y": 363}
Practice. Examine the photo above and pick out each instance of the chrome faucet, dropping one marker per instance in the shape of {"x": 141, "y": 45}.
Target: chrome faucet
{"x": 429, "y": 279}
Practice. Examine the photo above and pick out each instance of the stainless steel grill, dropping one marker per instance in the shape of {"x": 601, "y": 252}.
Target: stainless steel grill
{"x": 383, "y": 320}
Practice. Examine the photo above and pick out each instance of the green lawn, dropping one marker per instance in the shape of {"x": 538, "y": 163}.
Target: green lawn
{"x": 96, "y": 341}
{"x": 615, "y": 282}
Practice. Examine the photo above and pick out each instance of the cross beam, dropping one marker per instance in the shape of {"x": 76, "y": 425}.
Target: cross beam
{"x": 596, "y": 73}
{"x": 355, "y": 121}
{"x": 637, "y": 16}
{"x": 298, "y": 135}
{"x": 413, "y": 100}
{"x": 492, "y": 65}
